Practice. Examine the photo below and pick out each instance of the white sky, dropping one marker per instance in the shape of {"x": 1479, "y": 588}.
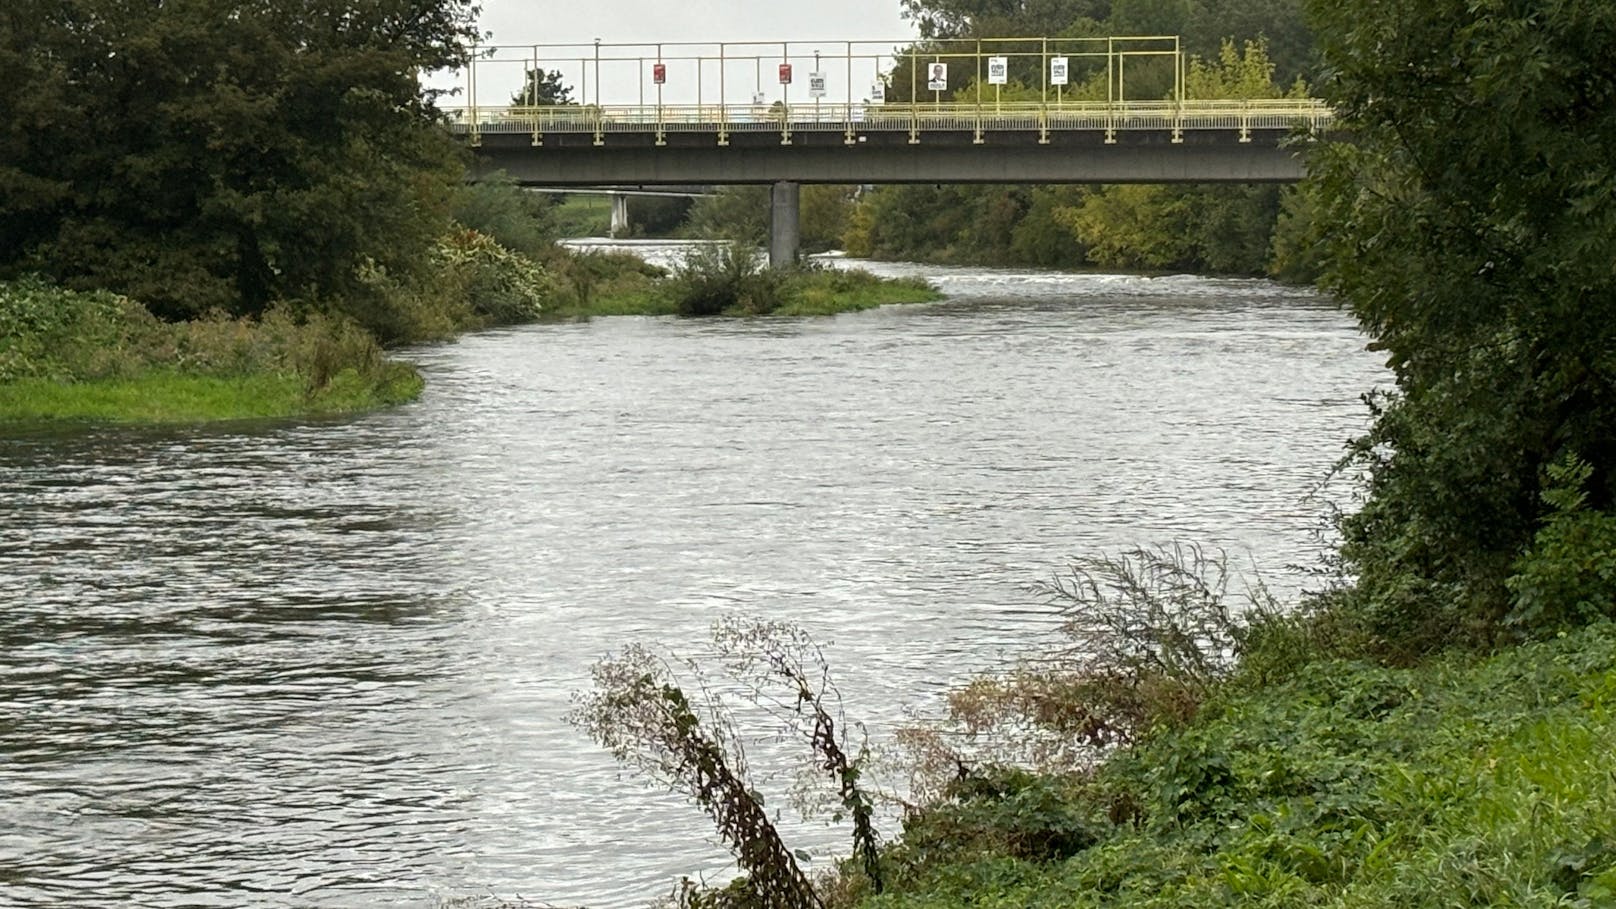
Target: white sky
{"x": 809, "y": 25}
{"x": 547, "y": 21}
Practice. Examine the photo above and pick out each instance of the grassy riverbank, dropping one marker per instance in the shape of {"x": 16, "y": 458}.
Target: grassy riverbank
{"x": 97, "y": 356}
{"x": 1461, "y": 782}
{"x": 66, "y": 355}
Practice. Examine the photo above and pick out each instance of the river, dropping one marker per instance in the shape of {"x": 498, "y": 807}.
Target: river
{"x": 326, "y": 663}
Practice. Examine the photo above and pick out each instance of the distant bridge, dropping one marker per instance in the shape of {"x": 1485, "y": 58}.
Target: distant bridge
{"x": 976, "y": 136}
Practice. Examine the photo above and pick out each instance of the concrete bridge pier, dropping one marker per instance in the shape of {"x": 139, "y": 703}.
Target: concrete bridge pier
{"x": 619, "y": 214}
{"x": 785, "y": 233}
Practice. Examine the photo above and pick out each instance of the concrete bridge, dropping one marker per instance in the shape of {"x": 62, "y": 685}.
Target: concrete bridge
{"x": 984, "y": 138}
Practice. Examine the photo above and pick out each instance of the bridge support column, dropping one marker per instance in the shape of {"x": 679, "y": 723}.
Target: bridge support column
{"x": 785, "y": 233}
{"x": 619, "y": 214}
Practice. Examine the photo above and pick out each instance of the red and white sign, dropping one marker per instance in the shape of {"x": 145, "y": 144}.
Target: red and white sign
{"x": 785, "y": 74}
{"x": 659, "y": 73}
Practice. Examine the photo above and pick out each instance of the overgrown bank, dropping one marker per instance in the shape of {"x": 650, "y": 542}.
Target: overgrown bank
{"x": 1434, "y": 727}
{"x": 99, "y": 356}
{"x": 1343, "y": 784}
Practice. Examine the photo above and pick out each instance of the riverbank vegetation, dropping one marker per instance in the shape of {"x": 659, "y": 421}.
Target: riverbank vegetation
{"x": 98, "y": 356}
{"x": 276, "y": 191}
{"x": 1433, "y": 726}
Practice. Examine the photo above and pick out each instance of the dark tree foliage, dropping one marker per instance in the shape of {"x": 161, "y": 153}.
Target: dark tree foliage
{"x": 1471, "y": 228}
{"x": 1222, "y": 229}
{"x": 997, "y": 18}
{"x": 223, "y": 153}
{"x": 543, "y": 88}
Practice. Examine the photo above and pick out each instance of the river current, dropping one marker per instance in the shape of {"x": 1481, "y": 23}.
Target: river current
{"x": 327, "y": 663}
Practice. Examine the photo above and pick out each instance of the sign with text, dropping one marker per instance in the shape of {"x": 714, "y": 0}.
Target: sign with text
{"x": 998, "y": 70}
{"x": 785, "y": 74}
{"x": 659, "y": 73}
{"x": 937, "y": 77}
{"x": 878, "y": 92}
{"x": 1058, "y": 71}
{"x": 816, "y": 85}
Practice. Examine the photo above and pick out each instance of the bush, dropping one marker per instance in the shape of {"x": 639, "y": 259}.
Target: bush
{"x": 724, "y": 277}
{"x": 501, "y": 287}
{"x": 1348, "y": 784}
{"x": 1149, "y": 635}
{"x": 67, "y": 336}
{"x": 1568, "y": 577}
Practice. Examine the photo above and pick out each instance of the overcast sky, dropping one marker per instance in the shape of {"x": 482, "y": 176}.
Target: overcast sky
{"x": 809, "y": 25}
{"x": 550, "y": 21}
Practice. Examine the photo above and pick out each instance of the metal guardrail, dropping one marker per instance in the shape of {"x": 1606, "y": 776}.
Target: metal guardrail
{"x": 916, "y": 119}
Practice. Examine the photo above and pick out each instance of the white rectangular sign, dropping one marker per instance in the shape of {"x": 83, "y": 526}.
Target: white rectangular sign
{"x": 878, "y": 93}
{"x": 816, "y": 85}
{"x": 1057, "y": 71}
{"x": 937, "y": 77}
{"x": 998, "y": 70}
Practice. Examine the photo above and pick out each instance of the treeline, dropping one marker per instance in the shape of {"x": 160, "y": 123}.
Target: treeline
{"x": 1240, "y": 50}
{"x": 214, "y": 157}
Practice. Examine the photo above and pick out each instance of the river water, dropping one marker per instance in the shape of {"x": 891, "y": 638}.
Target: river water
{"x": 326, "y": 663}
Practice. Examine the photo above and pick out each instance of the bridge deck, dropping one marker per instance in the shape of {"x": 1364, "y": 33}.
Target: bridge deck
{"x": 723, "y": 121}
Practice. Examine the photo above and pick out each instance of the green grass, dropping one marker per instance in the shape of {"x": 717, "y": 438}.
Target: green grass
{"x": 75, "y": 356}
{"x": 1459, "y": 783}
{"x": 583, "y": 215}
{"x": 823, "y": 293}
{"x": 629, "y": 299}
{"x": 169, "y": 397}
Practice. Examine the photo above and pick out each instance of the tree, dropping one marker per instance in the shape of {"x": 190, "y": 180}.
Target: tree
{"x": 226, "y": 153}
{"x": 1472, "y": 227}
{"x": 1280, "y": 24}
{"x": 962, "y": 18}
{"x": 543, "y": 89}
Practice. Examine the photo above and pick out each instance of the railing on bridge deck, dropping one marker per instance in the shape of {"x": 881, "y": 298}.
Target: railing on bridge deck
{"x": 916, "y": 119}
{"x": 985, "y": 86}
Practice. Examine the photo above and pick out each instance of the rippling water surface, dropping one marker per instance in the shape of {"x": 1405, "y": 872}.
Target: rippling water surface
{"x": 325, "y": 664}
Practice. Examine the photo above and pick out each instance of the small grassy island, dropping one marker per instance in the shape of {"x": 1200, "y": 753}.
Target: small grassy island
{"x": 721, "y": 279}
{"x": 98, "y": 356}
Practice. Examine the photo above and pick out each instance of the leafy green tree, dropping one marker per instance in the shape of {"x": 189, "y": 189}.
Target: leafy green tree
{"x": 739, "y": 213}
{"x": 1244, "y": 72}
{"x": 1133, "y": 226}
{"x": 962, "y": 18}
{"x": 1280, "y": 24}
{"x": 1472, "y": 227}
{"x": 226, "y": 153}
{"x": 515, "y": 218}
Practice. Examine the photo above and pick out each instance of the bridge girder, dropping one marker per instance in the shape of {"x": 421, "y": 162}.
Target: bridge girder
{"x": 1071, "y": 157}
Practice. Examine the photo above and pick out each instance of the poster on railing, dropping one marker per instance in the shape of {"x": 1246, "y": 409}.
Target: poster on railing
{"x": 878, "y": 92}
{"x": 998, "y": 70}
{"x": 937, "y": 77}
{"x": 816, "y": 85}
{"x": 1058, "y": 71}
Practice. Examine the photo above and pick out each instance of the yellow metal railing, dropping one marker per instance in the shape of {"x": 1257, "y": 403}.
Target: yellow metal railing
{"x": 915, "y": 118}
{"x": 981, "y": 85}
